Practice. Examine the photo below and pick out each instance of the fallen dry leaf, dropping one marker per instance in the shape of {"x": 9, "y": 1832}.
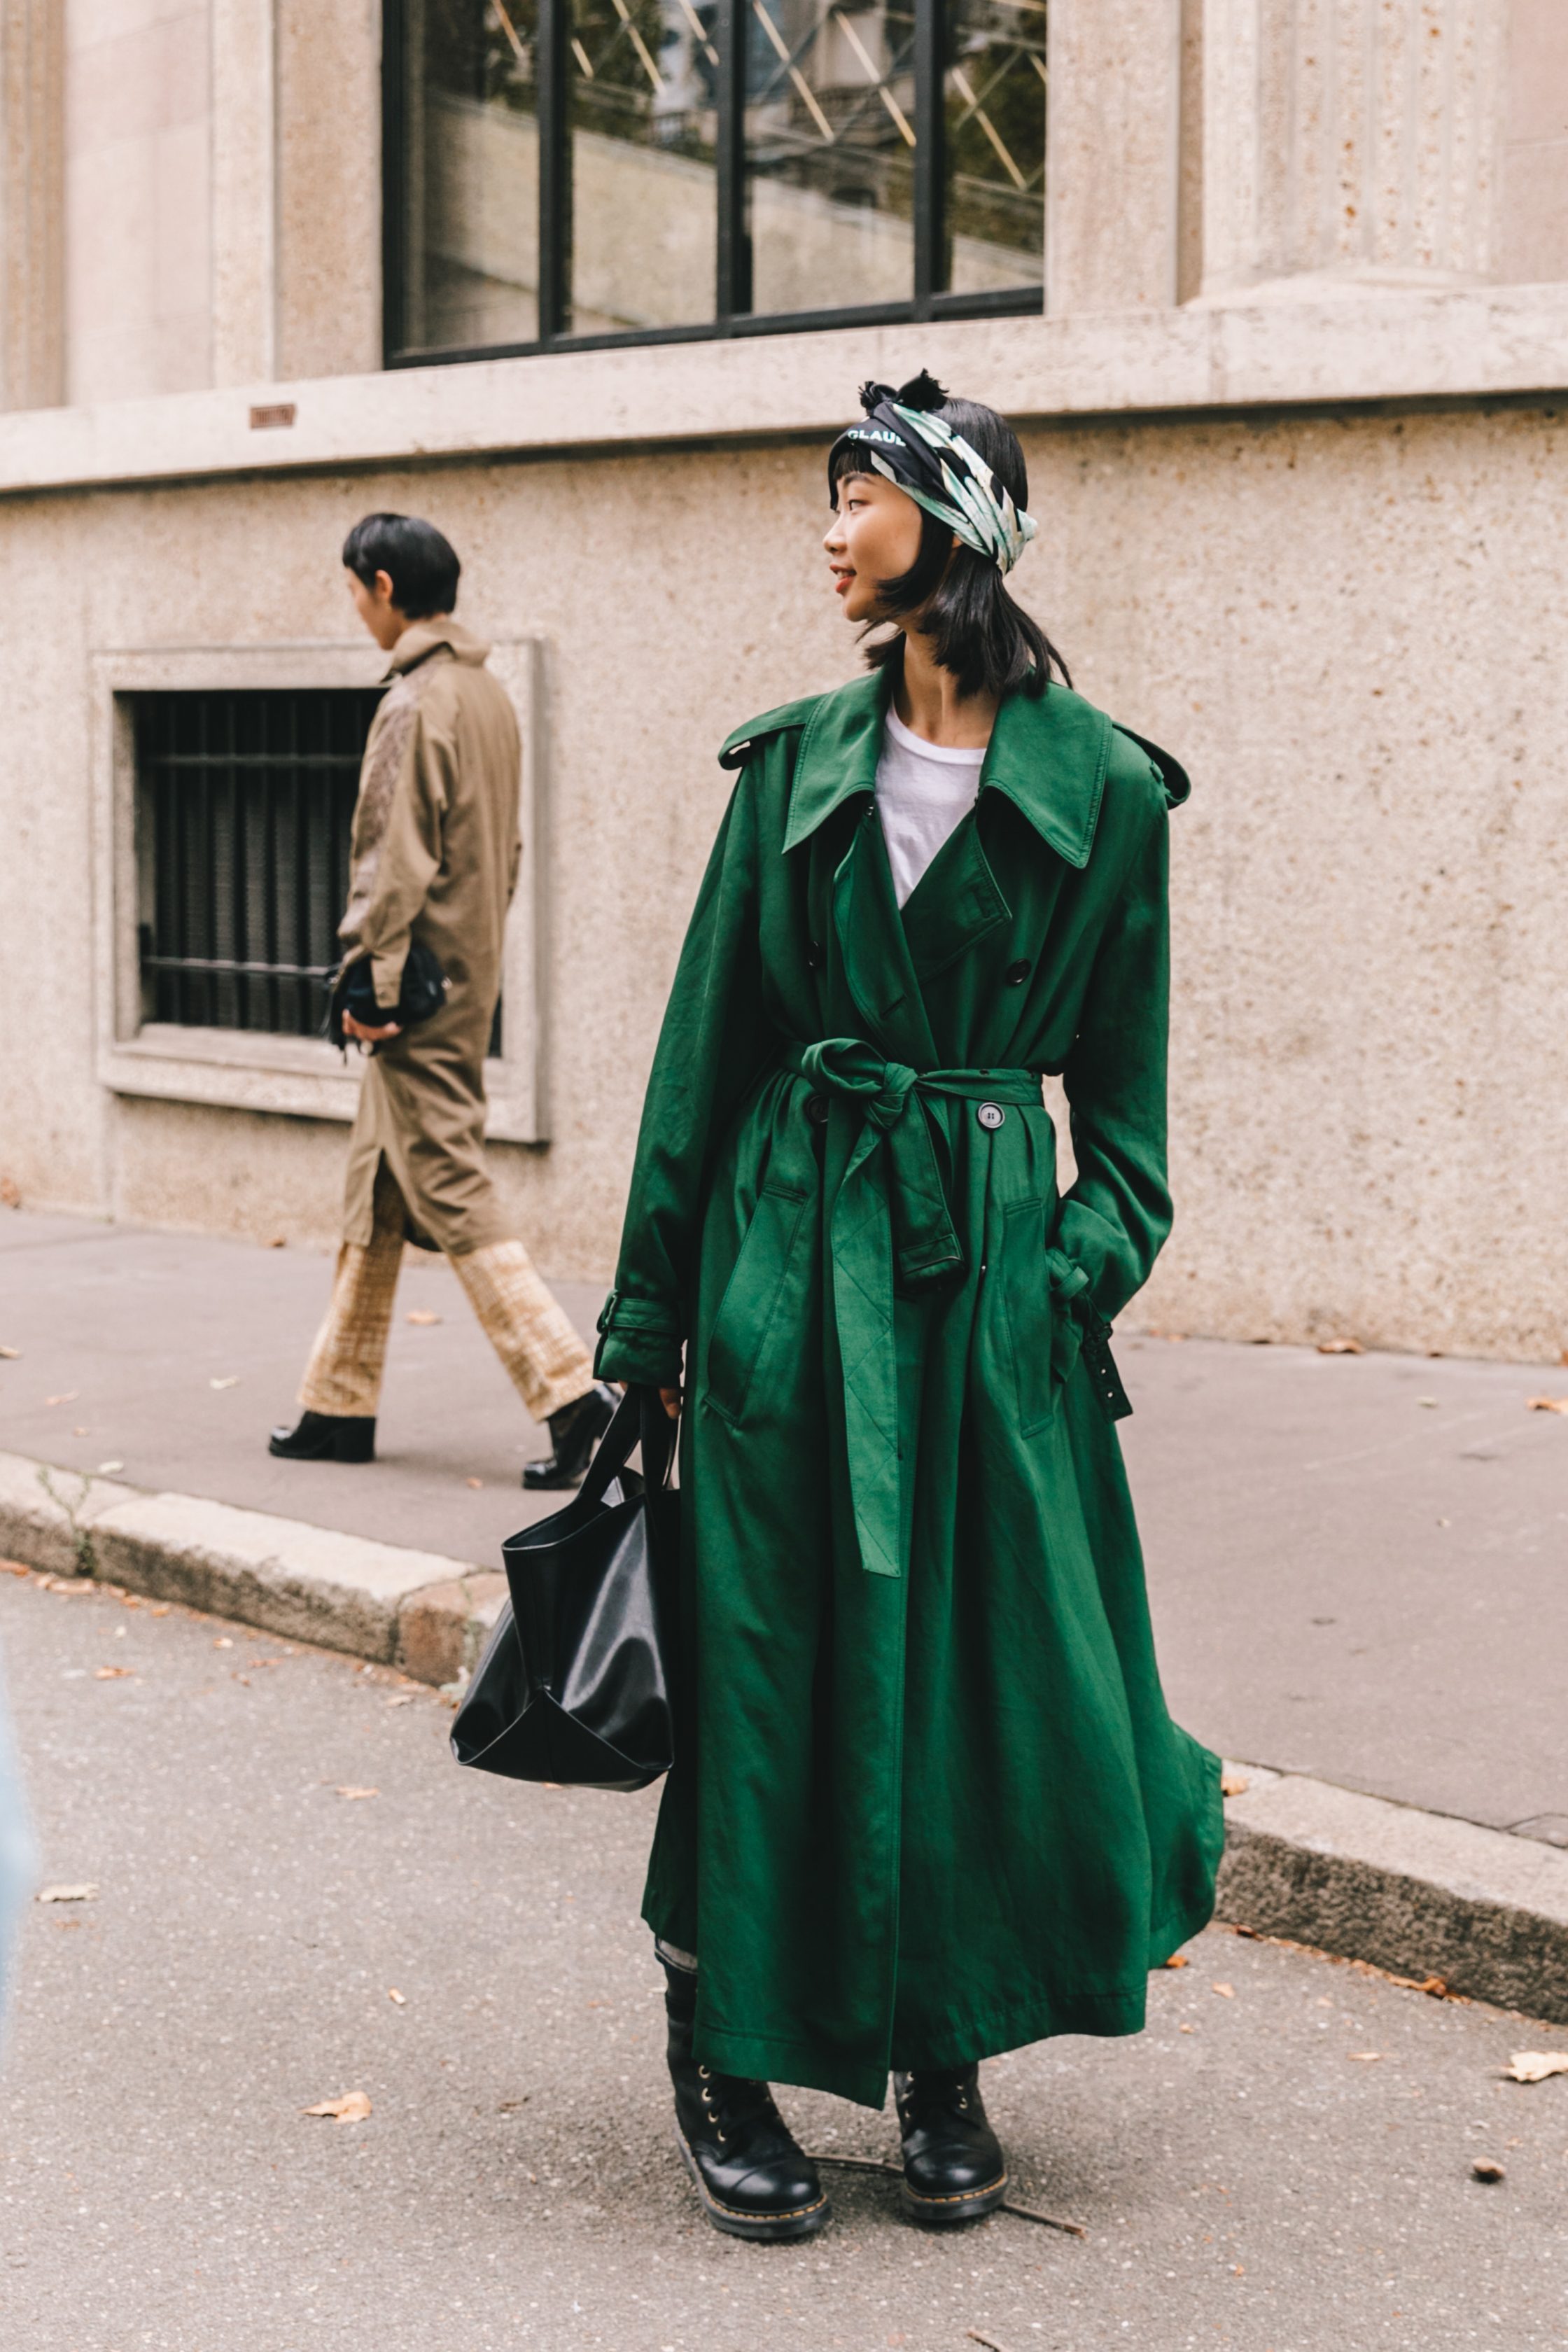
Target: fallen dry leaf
{"x": 1547, "y": 1404}
{"x": 422, "y": 1315}
{"x": 1487, "y": 2168}
{"x": 85, "y": 1894}
{"x": 223, "y": 1643}
{"x": 1226, "y": 1992}
{"x": 107, "y": 1469}
{"x": 1363, "y": 2057}
{"x": 112, "y": 1673}
{"x": 10, "y": 1354}
{"x": 1186, "y": 2029}
{"x": 231, "y": 1382}
{"x": 352, "y": 1793}
{"x": 1535, "y": 2065}
{"x": 352, "y": 2108}
{"x": 10, "y": 1192}
{"x": 401, "y": 1699}
{"x": 279, "y": 1241}
{"x": 69, "y": 1584}
{"x": 473, "y": 1482}
{"x": 1177, "y": 1960}
{"x": 66, "y": 1396}
{"x": 393, "y": 1994}
{"x": 15, "y": 1567}
{"x": 162, "y": 1609}
{"x": 1341, "y": 1347}
{"x": 1234, "y": 1784}
{"x": 81, "y": 1432}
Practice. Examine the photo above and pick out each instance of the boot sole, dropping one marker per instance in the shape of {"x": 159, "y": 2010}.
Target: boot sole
{"x": 801, "y": 2221}
{"x": 943, "y": 2212}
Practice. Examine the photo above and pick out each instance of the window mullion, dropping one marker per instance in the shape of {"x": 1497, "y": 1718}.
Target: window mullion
{"x": 554, "y": 170}
{"x": 735, "y": 270}
{"x": 931, "y": 186}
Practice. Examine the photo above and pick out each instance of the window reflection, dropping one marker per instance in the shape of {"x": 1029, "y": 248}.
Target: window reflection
{"x": 994, "y": 92}
{"x": 471, "y": 166}
{"x": 644, "y": 85}
{"x": 830, "y": 144}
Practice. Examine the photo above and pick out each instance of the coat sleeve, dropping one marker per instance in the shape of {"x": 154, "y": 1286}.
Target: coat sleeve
{"x": 714, "y": 1039}
{"x": 411, "y": 851}
{"x": 1113, "y": 1221}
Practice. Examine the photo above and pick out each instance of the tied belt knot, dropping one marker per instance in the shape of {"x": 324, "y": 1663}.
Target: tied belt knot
{"x": 897, "y": 1101}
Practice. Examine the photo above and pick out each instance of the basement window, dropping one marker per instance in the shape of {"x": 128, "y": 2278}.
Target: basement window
{"x": 244, "y": 800}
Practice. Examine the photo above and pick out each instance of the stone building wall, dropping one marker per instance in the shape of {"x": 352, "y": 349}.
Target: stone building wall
{"x": 1299, "y": 521}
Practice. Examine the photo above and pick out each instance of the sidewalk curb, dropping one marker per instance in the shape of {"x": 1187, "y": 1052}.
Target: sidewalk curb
{"x": 1422, "y": 1894}
{"x": 414, "y": 1610}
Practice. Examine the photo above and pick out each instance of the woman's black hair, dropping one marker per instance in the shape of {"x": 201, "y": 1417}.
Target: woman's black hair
{"x": 977, "y": 630}
{"x": 421, "y": 564}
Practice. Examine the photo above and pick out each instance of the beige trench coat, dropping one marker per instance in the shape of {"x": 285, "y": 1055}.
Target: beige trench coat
{"x": 434, "y": 857}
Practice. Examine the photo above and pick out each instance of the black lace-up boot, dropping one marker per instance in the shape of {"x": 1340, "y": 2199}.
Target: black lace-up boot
{"x": 326, "y": 1437}
{"x": 752, "y": 2177}
{"x": 575, "y": 1432}
{"x": 954, "y": 2170}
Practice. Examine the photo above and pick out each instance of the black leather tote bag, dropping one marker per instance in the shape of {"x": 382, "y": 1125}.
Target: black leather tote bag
{"x": 574, "y": 1683}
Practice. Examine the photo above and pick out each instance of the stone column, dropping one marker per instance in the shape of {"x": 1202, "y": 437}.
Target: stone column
{"x": 244, "y": 190}
{"x": 31, "y": 204}
{"x": 1112, "y": 130}
{"x": 329, "y": 187}
{"x": 1351, "y": 138}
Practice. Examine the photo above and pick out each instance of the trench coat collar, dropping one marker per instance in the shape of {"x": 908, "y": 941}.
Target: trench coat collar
{"x": 1047, "y": 755}
{"x": 420, "y": 639}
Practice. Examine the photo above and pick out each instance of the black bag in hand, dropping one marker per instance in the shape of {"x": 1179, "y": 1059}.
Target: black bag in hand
{"x": 574, "y": 1683}
{"x": 353, "y": 989}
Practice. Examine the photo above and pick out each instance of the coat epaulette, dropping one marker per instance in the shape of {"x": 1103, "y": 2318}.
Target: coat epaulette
{"x": 739, "y": 746}
{"x": 1173, "y": 778}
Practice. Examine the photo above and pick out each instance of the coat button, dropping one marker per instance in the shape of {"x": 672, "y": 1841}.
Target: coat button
{"x": 816, "y": 1109}
{"x": 1017, "y": 973}
{"x": 813, "y": 956}
{"x": 990, "y": 1115}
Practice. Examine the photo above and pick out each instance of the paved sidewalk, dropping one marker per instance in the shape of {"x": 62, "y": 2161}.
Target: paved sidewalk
{"x": 1282, "y": 2163}
{"x": 1359, "y": 1565}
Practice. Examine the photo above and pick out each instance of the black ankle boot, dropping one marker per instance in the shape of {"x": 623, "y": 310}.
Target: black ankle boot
{"x": 752, "y": 2177}
{"x": 575, "y": 1432}
{"x": 326, "y": 1437}
{"x": 954, "y": 2170}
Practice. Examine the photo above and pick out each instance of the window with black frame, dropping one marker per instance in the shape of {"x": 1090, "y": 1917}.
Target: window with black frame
{"x": 579, "y": 170}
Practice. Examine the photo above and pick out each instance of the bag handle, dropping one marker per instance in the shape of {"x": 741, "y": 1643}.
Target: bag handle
{"x": 640, "y": 1416}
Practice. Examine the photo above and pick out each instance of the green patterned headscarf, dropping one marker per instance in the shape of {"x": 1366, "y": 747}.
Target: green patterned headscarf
{"x": 924, "y": 457}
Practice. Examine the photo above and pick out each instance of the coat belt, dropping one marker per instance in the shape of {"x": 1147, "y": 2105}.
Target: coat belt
{"x": 890, "y": 1208}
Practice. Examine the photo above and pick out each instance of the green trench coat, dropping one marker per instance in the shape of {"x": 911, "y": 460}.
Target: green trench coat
{"x": 929, "y": 1804}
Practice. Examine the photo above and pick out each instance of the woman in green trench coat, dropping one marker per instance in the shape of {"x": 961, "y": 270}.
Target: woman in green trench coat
{"x": 929, "y": 1804}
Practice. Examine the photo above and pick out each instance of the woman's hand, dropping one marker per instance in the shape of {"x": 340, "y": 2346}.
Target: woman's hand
{"x": 670, "y": 1398}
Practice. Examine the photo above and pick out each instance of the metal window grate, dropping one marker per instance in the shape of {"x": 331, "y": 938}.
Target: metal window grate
{"x": 246, "y": 800}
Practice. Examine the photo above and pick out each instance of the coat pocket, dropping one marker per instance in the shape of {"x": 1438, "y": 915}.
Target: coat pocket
{"x": 752, "y": 1298}
{"x": 1043, "y": 1333}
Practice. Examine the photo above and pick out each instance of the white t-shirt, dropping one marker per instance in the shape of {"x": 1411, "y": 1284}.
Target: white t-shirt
{"x": 923, "y": 791}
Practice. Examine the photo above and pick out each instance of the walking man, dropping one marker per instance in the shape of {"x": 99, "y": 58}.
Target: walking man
{"x": 433, "y": 860}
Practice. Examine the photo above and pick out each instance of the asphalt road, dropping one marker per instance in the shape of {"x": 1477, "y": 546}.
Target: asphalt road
{"x": 1356, "y": 1563}
{"x": 1286, "y": 2167}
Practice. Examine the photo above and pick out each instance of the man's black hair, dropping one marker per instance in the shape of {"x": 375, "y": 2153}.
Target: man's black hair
{"x": 977, "y": 630}
{"x": 422, "y": 566}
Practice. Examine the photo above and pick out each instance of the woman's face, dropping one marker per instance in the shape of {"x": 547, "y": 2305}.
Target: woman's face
{"x": 875, "y": 535}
